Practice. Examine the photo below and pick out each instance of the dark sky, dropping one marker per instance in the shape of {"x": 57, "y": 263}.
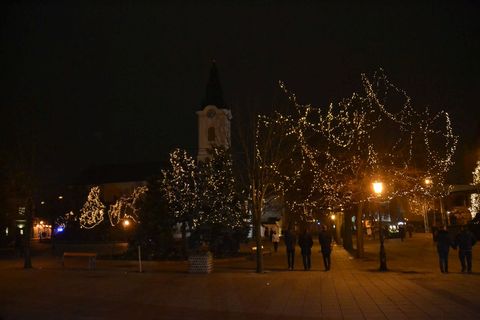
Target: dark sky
{"x": 120, "y": 83}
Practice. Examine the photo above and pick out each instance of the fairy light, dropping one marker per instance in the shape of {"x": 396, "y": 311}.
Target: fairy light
{"x": 475, "y": 197}
{"x": 93, "y": 210}
{"x": 203, "y": 193}
{"x": 180, "y": 184}
{"x": 127, "y": 207}
{"x": 219, "y": 201}
{"x": 343, "y": 147}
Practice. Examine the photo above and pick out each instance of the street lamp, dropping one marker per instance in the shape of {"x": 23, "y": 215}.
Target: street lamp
{"x": 378, "y": 189}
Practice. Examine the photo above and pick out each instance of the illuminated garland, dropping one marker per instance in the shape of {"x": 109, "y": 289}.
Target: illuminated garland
{"x": 475, "y": 197}
{"x": 202, "y": 194}
{"x": 373, "y": 135}
{"x": 62, "y": 221}
{"x": 219, "y": 202}
{"x": 274, "y": 169}
{"x": 127, "y": 207}
{"x": 92, "y": 212}
{"x": 180, "y": 184}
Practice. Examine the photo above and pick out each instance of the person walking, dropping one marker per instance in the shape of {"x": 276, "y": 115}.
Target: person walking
{"x": 465, "y": 240}
{"x": 305, "y": 242}
{"x": 410, "y": 229}
{"x": 290, "y": 239}
{"x": 275, "y": 240}
{"x": 443, "y": 246}
{"x": 401, "y": 230}
{"x": 325, "y": 240}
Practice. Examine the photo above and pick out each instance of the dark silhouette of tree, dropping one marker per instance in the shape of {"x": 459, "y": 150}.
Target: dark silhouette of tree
{"x": 154, "y": 229}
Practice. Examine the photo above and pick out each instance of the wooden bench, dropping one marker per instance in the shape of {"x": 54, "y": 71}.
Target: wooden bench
{"x": 92, "y": 258}
{"x": 264, "y": 252}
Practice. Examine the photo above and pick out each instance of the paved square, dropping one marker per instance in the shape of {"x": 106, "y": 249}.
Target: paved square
{"x": 413, "y": 288}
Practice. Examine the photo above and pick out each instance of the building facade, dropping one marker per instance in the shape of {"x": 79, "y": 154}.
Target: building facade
{"x": 213, "y": 118}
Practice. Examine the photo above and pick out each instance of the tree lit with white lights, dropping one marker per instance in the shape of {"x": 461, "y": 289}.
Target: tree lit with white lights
{"x": 475, "y": 197}
{"x": 202, "y": 196}
{"x": 181, "y": 190}
{"x": 218, "y": 197}
{"x": 377, "y": 133}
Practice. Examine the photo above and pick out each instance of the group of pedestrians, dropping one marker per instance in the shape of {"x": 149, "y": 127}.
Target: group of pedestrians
{"x": 464, "y": 241}
{"x": 305, "y": 243}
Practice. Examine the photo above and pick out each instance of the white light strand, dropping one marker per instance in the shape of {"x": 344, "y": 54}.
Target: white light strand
{"x": 377, "y": 133}
{"x": 127, "y": 207}
{"x": 475, "y": 197}
{"x": 93, "y": 210}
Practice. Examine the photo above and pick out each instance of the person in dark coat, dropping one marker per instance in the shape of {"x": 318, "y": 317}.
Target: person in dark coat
{"x": 325, "y": 240}
{"x": 410, "y": 229}
{"x": 443, "y": 245}
{"x": 305, "y": 242}
{"x": 465, "y": 240}
{"x": 290, "y": 239}
{"x": 18, "y": 246}
{"x": 402, "y": 232}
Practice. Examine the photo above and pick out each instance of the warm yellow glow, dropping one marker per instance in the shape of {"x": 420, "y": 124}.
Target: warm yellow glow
{"x": 428, "y": 181}
{"x": 126, "y": 223}
{"x": 60, "y": 197}
{"x": 41, "y": 222}
{"x": 377, "y": 187}
{"x": 332, "y": 217}
{"x": 43, "y": 202}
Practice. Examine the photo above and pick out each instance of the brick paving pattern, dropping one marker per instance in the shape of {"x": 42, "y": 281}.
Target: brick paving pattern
{"x": 413, "y": 288}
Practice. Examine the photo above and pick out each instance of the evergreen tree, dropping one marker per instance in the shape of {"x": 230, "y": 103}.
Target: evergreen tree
{"x": 181, "y": 191}
{"x": 221, "y": 216}
{"x": 154, "y": 229}
{"x": 219, "y": 201}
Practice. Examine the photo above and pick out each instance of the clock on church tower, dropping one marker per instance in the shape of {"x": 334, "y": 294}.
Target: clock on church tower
{"x": 213, "y": 118}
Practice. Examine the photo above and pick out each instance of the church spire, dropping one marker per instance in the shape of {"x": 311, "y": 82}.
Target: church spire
{"x": 213, "y": 94}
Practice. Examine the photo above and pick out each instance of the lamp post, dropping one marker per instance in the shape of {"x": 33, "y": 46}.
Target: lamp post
{"x": 428, "y": 185}
{"x": 378, "y": 189}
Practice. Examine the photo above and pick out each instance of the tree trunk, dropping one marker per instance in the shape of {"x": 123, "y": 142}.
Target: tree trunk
{"x": 347, "y": 230}
{"x": 442, "y": 212}
{"x": 184, "y": 240}
{"x": 258, "y": 239}
{"x": 27, "y": 264}
{"x": 358, "y": 220}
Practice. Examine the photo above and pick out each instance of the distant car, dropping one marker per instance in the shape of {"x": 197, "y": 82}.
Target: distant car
{"x": 393, "y": 231}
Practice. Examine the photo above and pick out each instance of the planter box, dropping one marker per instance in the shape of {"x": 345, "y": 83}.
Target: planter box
{"x": 200, "y": 263}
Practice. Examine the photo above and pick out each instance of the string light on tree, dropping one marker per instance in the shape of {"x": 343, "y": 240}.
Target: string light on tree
{"x": 348, "y": 143}
{"x": 181, "y": 190}
{"x": 475, "y": 197}
{"x": 219, "y": 202}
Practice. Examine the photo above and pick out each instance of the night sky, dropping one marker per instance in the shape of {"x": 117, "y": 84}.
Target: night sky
{"x": 120, "y": 83}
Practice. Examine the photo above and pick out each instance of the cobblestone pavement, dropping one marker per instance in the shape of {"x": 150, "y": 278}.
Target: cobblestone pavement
{"x": 413, "y": 288}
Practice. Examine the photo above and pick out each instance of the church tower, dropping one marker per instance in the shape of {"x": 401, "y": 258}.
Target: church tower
{"x": 213, "y": 118}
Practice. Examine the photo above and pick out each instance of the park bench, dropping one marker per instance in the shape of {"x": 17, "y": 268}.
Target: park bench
{"x": 264, "y": 252}
{"x": 92, "y": 258}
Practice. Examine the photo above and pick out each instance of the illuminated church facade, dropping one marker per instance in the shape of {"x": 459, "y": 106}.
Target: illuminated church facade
{"x": 213, "y": 118}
